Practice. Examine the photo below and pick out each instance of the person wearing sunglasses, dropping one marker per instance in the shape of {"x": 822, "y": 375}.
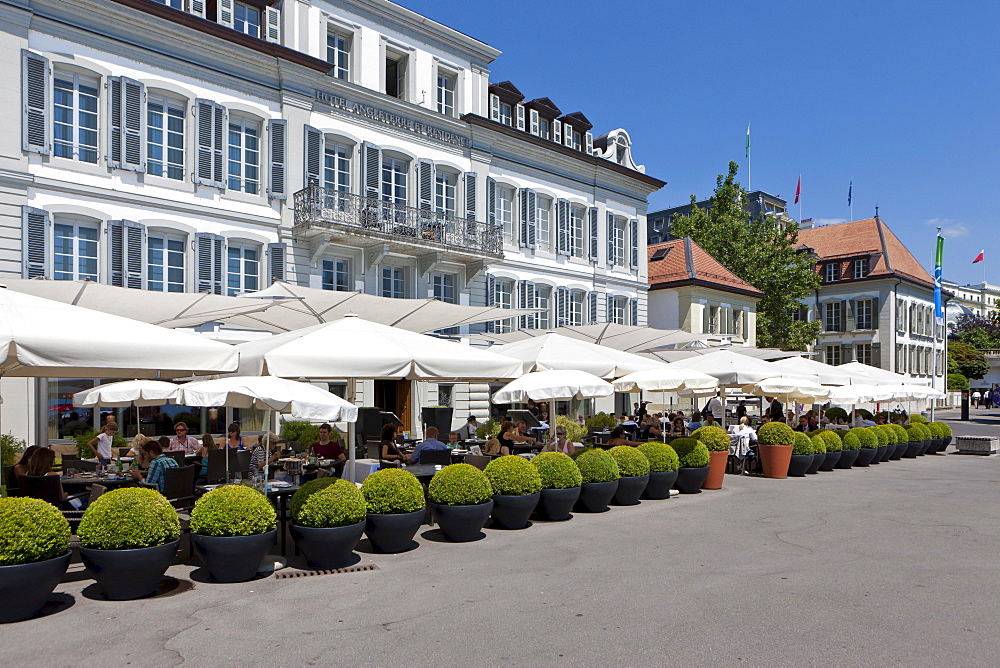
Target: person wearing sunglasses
{"x": 560, "y": 443}
{"x": 189, "y": 444}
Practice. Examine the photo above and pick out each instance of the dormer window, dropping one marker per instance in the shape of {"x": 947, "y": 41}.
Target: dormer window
{"x": 506, "y": 114}
{"x": 861, "y": 268}
{"x": 395, "y": 74}
{"x": 246, "y": 19}
{"x": 831, "y": 272}
{"x": 544, "y": 128}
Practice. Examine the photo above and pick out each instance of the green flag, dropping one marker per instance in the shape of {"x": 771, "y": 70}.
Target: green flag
{"x": 748, "y": 140}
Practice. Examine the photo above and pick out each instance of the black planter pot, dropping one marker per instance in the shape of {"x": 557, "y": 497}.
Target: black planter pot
{"x": 128, "y": 574}
{"x": 393, "y": 533}
{"x": 24, "y": 588}
{"x": 512, "y": 512}
{"x": 330, "y": 547}
{"x": 690, "y": 479}
{"x": 924, "y": 448}
{"x": 595, "y": 496}
{"x": 832, "y": 457}
{"x": 557, "y": 504}
{"x": 460, "y": 524}
{"x": 817, "y": 461}
{"x": 900, "y": 448}
{"x": 799, "y": 465}
{"x": 847, "y": 459}
{"x": 947, "y": 442}
{"x": 233, "y": 558}
{"x": 879, "y": 454}
{"x": 865, "y": 456}
{"x": 630, "y": 489}
{"x": 913, "y": 449}
{"x": 889, "y": 449}
{"x": 660, "y": 484}
{"x": 937, "y": 445}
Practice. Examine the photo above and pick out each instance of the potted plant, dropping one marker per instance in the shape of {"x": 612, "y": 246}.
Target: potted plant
{"x": 819, "y": 451}
{"x": 395, "y": 500}
{"x": 232, "y": 528}
{"x": 881, "y": 444}
{"x": 802, "y": 455}
{"x": 128, "y": 539}
{"x": 663, "y": 465}
{"x": 601, "y": 422}
{"x": 599, "y": 472}
{"x": 460, "y": 496}
{"x": 946, "y": 431}
{"x": 902, "y": 441}
{"x": 34, "y": 555}
{"x": 868, "y": 446}
{"x": 835, "y": 413}
{"x": 487, "y": 430}
{"x": 561, "y": 480}
{"x": 890, "y": 441}
{"x": 937, "y": 437}
{"x": 634, "y": 470}
{"x": 916, "y": 434}
{"x": 834, "y": 446}
{"x": 517, "y": 488}
{"x": 849, "y": 454}
{"x": 693, "y": 466}
{"x": 775, "y": 441}
{"x": 924, "y": 426}
{"x": 328, "y": 522}
{"x": 916, "y": 418}
{"x": 575, "y": 432}
{"x": 717, "y": 441}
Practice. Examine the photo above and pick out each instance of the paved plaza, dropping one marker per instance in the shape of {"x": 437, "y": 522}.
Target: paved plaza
{"x": 891, "y": 564}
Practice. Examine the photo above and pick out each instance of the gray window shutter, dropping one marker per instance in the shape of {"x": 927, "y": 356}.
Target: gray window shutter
{"x": 276, "y": 254}
{"x": 592, "y": 308}
{"x": 125, "y": 253}
{"x": 529, "y": 218}
{"x": 557, "y": 131}
{"x": 133, "y": 125}
{"x": 196, "y": 7}
{"x": 562, "y": 306}
{"x": 491, "y": 299}
{"x": 115, "y": 122}
{"x": 313, "y": 154}
{"x": 533, "y": 121}
{"x": 567, "y": 135}
{"x": 846, "y": 353}
{"x": 372, "y": 156}
{"x": 519, "y": 111}
{"x": 226, "y": 12}
{"x": 526, "y": 299}
{"x": 875, "y": 315}
{"x": 594, "y": 240}
{"x": 35, "y": 242}
{"x": 609, "y": 308}
{"x": 494, "y": 107}
{"x": 470, "y": 195}
{"x": 847, "y": 315}
{"x": 425, "y": 177}
{"x": 523, "y": 236}
{"x": 210, "y": 262}
{"x": 633, "y": 236}
{"x": 877, "y": 355}
{"x": 272, "y": 24}
{"x": 633, "y": 310}
{"x": 612, "y": 247}
{"x": 36, "y": 131}
{"x": 278, "y": 136}
{"x": 588, "y": 139}
{"x": 491, "y": 201}
{"x": 562, "y": 227}
{"x": 210, "y": 138}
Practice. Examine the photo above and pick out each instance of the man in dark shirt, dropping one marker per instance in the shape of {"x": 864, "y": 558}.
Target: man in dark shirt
{"x": 776, "y": 410}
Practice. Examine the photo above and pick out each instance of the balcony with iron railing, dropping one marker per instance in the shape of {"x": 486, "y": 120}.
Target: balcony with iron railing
{"x": 340, "y": 217}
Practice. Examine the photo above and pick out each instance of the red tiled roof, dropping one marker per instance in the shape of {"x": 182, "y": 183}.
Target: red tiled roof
{"x": 870, "y": 237}
{"x": 687, "y": 263}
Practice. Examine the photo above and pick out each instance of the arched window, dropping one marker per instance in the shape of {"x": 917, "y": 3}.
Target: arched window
{"x": 337, "y": 157}
{"x": 74, "y": 249}
{"x": 244, "y": 154}
{"x": 242, "y": 267}
{"x": 394, "y": 179}
{"x": 445, "y": 193}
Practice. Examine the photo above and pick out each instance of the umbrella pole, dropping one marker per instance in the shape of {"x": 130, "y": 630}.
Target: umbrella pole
{"x": 267, "y": 450}
{"x": 351, "y": 432}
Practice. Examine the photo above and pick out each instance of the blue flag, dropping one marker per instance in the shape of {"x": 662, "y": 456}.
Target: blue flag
{"x": 938, "y": 257}
{"x": 850, "y": 189}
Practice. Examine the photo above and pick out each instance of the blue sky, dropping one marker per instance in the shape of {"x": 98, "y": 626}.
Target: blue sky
{"x": 901, "y": 97}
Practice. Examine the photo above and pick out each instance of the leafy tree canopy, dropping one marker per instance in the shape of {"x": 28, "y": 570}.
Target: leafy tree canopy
{"x": 760, "y": 251}
{"x": 966, "y": 360}
{"x": 977, "y": 331}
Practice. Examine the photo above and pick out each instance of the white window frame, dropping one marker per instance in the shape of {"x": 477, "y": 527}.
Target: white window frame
{"x": 172, "y": 156}
{"x": 620, "y": 229}
{"x": 393, "y": 281}
{"x": 831, "y": 272}
{"x": 619, "y": 310}
{"x": 860, "y": 267}
{"x": 76, "y": 254}
{"x": 247, "y": 177}
{"x": 505, "y": 196}
{"x": 866, "y": 308}
{"x": 575, "y": 308}
{"x": 503, "y": 290}
{"x": 337, "y": 160}
{"x": 395, "y": 180}
{"x": 576, "y": 216}
{"x": 339, "y": 48}
{"x": 506, "y": 113}
{"x": 444, "y": 286}
{"x": 247, "y": 278}
{"x": 544, "y": 128}
{"x": 446, "y": 91}
{"x": 543, "y": 218}
{"x": 166, "y": 254}
{"x": 83, "y": 110}
{"x": 445, "y": 193}
{"x": 334, "y": 268}
{"x": 863, "y": 353}
{"x": 543, "y": 301}
{"x": 833, "y": 313}
{"x": 832, "y": 354}
{"x": 242, "y": 13}
{"x": 402, "y": 61}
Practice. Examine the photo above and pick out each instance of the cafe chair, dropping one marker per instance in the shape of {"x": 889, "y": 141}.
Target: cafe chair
{"x": 442, "y": 457}
{"x": 46, "y": 488}
{"x": 217, "y": 465}
{"x": 10, "y": 479}
{"x": 80, "y": 465}
{"x": 374, "y": 449}
{"x": 479, "y": 461}
{"x": 177, "y": 455}
{"x": 74, "y": 516}
{"x": 178, "y": 486}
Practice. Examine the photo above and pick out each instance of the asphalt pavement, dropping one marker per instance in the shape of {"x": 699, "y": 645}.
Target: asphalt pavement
{"x": 893, "y": 564}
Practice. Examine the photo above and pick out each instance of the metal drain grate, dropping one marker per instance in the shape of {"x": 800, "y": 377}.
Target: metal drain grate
{"x": 334, "y": 571}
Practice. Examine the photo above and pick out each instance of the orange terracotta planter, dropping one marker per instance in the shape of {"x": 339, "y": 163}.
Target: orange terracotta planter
{"x": 775, "y": 460}
{"x": 717, "y": 470}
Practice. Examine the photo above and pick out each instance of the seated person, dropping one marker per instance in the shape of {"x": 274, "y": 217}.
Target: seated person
{"x": 517, "y": 434}
{"x": 429, "y": 443}
{"x": 468, "y": 430}
{"x": 140, "y": 460}
{"x": 453, "y": 440}
{"x": 189, "y": 444}
{"x": 389, "y": 451}
{"x": 650, "y": 426}
{"x": 695, "y": 421}
{"x": 264, "y": 453}
{"x": 326, "y": 448}
{"x": 494, "y": 448}
{"x": 677, "y": 427}
{"x": 861, "y": 421}
{"x": 560, "y": 443}
{"x": 158, "y": 464}
{"x": 21, "y": 467}
{"x": 803, "y": 424}
{"x": 708, "y": 420}
{"x": 41, "y": 462}
{"x": 618, "y": 438}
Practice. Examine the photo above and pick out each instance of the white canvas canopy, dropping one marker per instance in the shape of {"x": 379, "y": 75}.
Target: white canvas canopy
{"x": 561, "y": 385}
{"x": 827, "y": 373}
{"x": 627, "y": 338}
{"x": 789, "y": 389}
{"x": 872, "y": 374}
{"x": 127, "y": 393}
{"x": 668, "y": 379}
{"x": 268, "y": 393}
{"x": 554, "y": 352}
{"x": 735, "y": 370}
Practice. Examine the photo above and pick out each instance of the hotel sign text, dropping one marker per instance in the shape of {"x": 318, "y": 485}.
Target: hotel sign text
{"x": 389, "y": 118}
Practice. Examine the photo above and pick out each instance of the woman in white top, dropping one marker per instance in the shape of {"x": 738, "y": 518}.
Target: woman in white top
{"x": 103, "y": 441}
{"x": 559, "y": 443}
{"x": 744, "y": 429}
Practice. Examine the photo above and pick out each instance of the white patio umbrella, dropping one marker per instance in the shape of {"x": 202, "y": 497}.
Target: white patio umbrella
{"x": 559, "y": 385}
{"x": 791, "y": 389}
{"x": 554, "y": 352}
{"x": 874, "y": 375}
{"x": 127, "y": 393}
{"x": 827, "y": 373}
{"x": 668, "y": 379}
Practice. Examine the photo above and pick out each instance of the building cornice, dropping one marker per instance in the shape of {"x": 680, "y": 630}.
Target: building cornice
{"x": 665, "y": 285}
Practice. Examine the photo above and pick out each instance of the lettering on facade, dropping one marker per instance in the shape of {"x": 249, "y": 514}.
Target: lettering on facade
{"x": 389, "y": 118}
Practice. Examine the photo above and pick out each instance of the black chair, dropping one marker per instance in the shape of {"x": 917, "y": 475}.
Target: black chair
{"x": 178, "y": 485}
{"x": 80, "y": 465}
{"x": 10, "y": 479}
{"x": 374, "y": 450}
{"x": 296, "y": 446}
{"x": 177, "y": 455}
{"x": 46, "y": 488}
{"x": 442, "y": 457}
{"x": 217, "y": 465}
{"x": 479, "y": 461}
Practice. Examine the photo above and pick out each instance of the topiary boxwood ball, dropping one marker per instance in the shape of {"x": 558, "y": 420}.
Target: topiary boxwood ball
{"x": 925, "y": 433}
{"x": 338, "y": 505}
{"x": 819, "y": 442}
{"x": 917, "y": 417}
{"x": 303, "y": 493}
{"x": 851, "y": 440}
{"x": 459, "y": 485}
{"x": 631, "y": 462}
{"x": 836, "y": 413}
{"x": 935, "y": 429}
{"x": 662, "y": 458}
{"x": 866, "y": 439}
{"x": 715, "y": 438}
{"x": 833, "y": 441}
{"x": 31, "y": 530}
{"x": 946, "y": 428}
{"x": 890, "y": 434}
{"x": 513, "y": 476}
{"x": 691, "y": 453}
{"x": 803, "y": 445}
{"x": 775, "y": 433}
{"x": 233, "y": 510}
{"x": 880, "y": 436}
{"x": 392, "y": 492}
{"x": 557, "y": 470}
{"x": 864, "y": 412}
{"x": 597, "y": 465}
{"x": 129, "y": 518}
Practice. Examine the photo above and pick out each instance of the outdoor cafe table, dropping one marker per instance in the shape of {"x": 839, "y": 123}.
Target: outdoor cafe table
{"x": 423, "y": 472}
{"x": 88, "y": 479}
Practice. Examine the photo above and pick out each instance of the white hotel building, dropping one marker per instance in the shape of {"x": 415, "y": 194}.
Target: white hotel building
{"x": 218, "y": 145}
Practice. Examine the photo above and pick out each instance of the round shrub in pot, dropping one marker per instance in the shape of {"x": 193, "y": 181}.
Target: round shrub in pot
{"x": 802, "y": 455}
{"x": 395, "y": 504}
{"x": 902, "y": 441}
{"x": 937, "y": 437}
{"x": 663, "y": 465}
{"x": 561, "y": 480}
{"x": 634, "y": 469}
{"x": 328, "y": 523}
{"x": 34, "y": 555}
{"x": 917, "y": 418}
{"x": 303, "y": 493}
{"x": 717, "y": 441}
{"x": 851, "y": 446}
{"x": 599, "y": 472}
{"x": 461, "y": 498}
{"x": 233, "y": 527}
{"x": 890, "y": 441}
{"x": 819, "y": 451}
{"x": 836, "y": 413}
{"x": 869, "y": 445}
{"x": 517, "y": 488}
{"x": 946, "y": 430}
{"x": 694, "y": 458}
{"x": 882, "y": 443}
{"x": 128, "y": 539}
{"x": 834, "y": 446}
{"x": 775, "y": 441}
{"x": 918, "y": 435}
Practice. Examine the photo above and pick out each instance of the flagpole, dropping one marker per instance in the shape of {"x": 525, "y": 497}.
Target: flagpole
{"x": 749, "y": 189}
{"x": 800, "y": 200}
{"x": 850, "y": 198}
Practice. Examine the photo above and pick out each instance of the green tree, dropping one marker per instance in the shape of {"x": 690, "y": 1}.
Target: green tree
{"x": 762, "y": 252}
{"x": 966, "y": 360}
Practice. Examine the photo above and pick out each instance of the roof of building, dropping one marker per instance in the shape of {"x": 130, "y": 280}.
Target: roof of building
{"x": 869, "y": 237}
{"x": 683, "y": 262}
